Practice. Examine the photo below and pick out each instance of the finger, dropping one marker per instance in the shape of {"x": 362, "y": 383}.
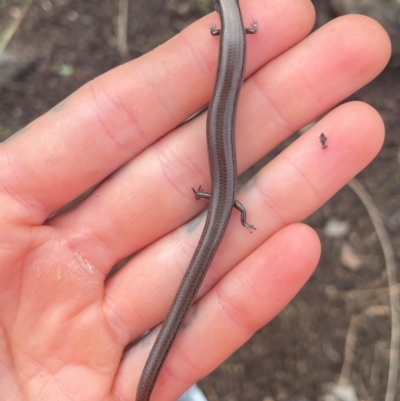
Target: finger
{"x": 307, "y": 81}
{"x": 293, "y": 185}
{"x": 136, "y": 213}
{"x": 244, "y": 301}
{"x": 112, "y": 119}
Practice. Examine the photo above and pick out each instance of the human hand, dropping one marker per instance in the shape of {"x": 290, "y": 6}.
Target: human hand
{"x": 64, "y": 326}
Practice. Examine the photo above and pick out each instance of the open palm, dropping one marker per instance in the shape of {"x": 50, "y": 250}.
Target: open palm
{"x": 63, "y": 325}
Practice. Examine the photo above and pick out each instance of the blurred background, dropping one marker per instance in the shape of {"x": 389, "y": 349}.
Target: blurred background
{"x": 333, "y": 342}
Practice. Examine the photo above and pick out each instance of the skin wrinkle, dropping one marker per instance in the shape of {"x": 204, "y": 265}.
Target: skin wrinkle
{"x": 141, "y": 140}
{"x": 6, "y": 165}
{"x": 98, "y": 116}
{"x": 201, "y": 61}
{"x": 17, "y": 306}
{"x": 8, "y": 241}
{"x": 32, "y": 204}
{"x": 107, "y": 250}
{"x": 12, "y": 398}
{"x": 116, "y": 395}
{"x": 60, "y": 388}
{"x": 260, "y": 88}
{"x": 11, "y": 368}
{"x": 180, "y": 264}
{"x": 121, "y": 331}
{"x": 104, "y": 245}
{"x": 141, "y": 318}
{"x": 40, "y": 370}
{"x": 111, "y": 310}
{"x": 167, "y": 373}
{"x": 161, "y": 153}
{"x": 98, "y": 112}
{"x": 309, "y": 86}
{"x": 304, "y": 176}
{"x": 165, "y": 161}
{"x": 163, "y": 74}
{"x": 38, "y": 377}
{"x": 262, "y": 190}
{"x": 206, "y": 67}
{"x": 194, "y": 167}
{"x": 185, "y": 245}
{"x": 229, "y": 312}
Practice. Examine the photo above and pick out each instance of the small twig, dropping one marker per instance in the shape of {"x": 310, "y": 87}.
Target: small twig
{"x": 10, "y": 31}
{"x": 350, "y": 343}
{"x": 122, "y": 30}
{"x": 361, "y": 388}
{"x": 392, "y": 281}
{"x": 360, "y": 295}
{"x": 374, "y": 375}
{"x": 351, "y": 339}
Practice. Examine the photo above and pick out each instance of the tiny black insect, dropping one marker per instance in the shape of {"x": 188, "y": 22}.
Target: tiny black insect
{"x": 323, "y": 139}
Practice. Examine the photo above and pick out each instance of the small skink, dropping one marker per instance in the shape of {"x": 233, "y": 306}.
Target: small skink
{"x": 221, "y": 121}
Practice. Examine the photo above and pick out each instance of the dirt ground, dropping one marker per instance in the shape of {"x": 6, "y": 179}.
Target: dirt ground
{"x": 65, "y": 43}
